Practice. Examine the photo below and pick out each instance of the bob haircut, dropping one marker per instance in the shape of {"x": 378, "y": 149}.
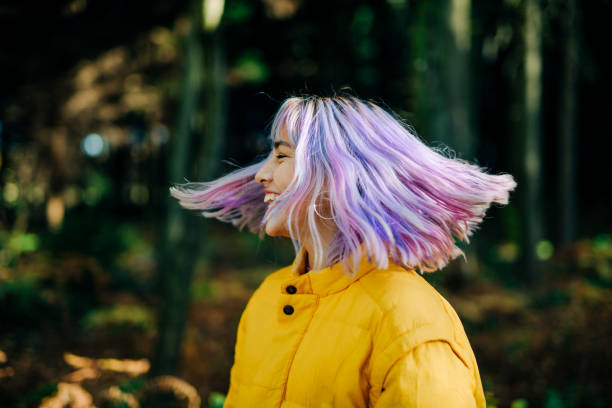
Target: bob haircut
{"x": 389, "y": 194}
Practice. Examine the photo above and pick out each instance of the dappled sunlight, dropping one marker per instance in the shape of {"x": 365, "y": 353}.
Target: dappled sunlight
{"x": 212, "y": 13}
{"x": 90, "y": 371}
{"x": 131, "y": 367}
{"x": 459, "y": 23}
{"x": 82, "y": 374}
{"x": 282, "y": 9}
{"x": 116, "y": 396}
{"x": 55, "y": 212}
{"x": 76, "y": 396}
{"x": 5, "y": 371}
{"x": 508, "y": 251}
{"x": 72, "y": 395}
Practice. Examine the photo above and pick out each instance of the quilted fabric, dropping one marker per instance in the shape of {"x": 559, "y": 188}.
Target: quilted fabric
{"x": 385, "y": 338}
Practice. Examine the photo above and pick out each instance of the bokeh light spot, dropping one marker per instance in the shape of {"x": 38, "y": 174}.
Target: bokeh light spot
{"x": 544, "y": 250}
{"x": 11, "y": 192}
{"x": 508, "y": 251}
{"x": 139, "y": 194}
{"x": 93, "y": 145}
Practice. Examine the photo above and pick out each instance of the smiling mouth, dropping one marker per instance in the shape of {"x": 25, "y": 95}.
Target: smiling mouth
{"x": 270, "y": 197}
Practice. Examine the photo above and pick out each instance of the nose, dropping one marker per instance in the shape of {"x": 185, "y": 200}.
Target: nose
{"x": 264, "y": 174}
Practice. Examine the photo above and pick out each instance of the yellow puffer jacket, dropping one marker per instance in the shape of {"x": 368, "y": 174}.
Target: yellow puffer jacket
{"x": 385, "y": 338}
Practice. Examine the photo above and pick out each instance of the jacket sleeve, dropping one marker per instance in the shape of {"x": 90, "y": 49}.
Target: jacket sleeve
{"x": 429, "y": 375}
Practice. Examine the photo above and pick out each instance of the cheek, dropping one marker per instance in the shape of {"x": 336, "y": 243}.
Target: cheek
{"x": 284, "y": 174}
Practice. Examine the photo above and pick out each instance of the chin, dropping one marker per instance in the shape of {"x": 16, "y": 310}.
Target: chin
{"x": 277, "y": 227}
{"x": 275, "y": 230}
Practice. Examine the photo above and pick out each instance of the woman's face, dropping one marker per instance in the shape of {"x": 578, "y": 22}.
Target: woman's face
{"x": 275, "y": 176}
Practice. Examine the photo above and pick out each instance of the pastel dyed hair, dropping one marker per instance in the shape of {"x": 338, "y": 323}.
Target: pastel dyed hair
{"x": 389, "y": 193}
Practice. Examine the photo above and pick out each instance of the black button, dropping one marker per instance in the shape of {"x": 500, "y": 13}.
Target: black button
{"x": 288, "y": 309}
{"x": 291, "y": 289}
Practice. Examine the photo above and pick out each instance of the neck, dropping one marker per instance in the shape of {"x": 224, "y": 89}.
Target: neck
{"x": 327, "y": 230}
{"x": 307, "y": 267}
{"x": 316, "y": 262}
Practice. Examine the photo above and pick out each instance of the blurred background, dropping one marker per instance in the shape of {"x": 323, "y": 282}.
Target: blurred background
{"x": 111, "y": 294}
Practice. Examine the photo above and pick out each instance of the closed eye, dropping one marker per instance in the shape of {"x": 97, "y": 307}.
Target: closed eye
{"x": 280, "y": 156}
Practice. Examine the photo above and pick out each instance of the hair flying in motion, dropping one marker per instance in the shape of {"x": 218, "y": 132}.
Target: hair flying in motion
{"x": 389, "y": 193}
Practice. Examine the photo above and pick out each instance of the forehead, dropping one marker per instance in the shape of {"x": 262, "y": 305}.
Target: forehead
{"x": 282, "y": 139}
{"x": 279, "y": 142}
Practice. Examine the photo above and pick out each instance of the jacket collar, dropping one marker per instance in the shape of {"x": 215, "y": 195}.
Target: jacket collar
{"x": 328, "y": 280}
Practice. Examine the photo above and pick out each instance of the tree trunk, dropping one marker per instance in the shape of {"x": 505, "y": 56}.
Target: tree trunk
{"x": 460, "y": 102}
{"x": 429, "y": 35}
{"x": 458, "y": 78}
{"x": 195, "y": 148}
{"x": 441, "y": 45}
{"x": 567, "y": 126}
{"x": 531, "y": 134}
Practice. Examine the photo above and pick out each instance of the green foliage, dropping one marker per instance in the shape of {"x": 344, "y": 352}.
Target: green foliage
{"x": 24, "y": 306}
{"x": 35, "y": 396}
{"x": 551, "y": 299}
{"x": 554, "y": 400}
{"x": 237, "y": 12}
{"x": 596, "y": 254}
{"x": 116, "y": 404}
{"x": 216, "y": 400}
{"x": 519, "y": 403}
{"x": 363, "y": 20}
{"x": 118, "y": 247}
{"x": 131, "y": 238}
{"x": 24, "y": 293}
{"x": 132, "y": 385}
{"x": 118, "y": 316}
{"x": 97, "y": 186}
{"x": 491, "y": 399}
{"x": 23, "y": 242}
{"x": 201, "y": 289}
{"x": 15, "y": 243}
{"x": 251, "y": 67}
{"x": 544, "y": 249}
{"x": 365, "y": 47}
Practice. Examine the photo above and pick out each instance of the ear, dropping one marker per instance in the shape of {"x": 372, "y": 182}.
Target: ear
{"x": 323, "y": 206}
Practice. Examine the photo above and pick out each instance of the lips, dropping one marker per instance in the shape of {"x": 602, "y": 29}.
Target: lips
{"x": 270, "y": 197}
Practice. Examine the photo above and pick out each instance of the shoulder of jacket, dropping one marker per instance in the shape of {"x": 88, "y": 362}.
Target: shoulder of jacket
{"x": 406, "y": 300}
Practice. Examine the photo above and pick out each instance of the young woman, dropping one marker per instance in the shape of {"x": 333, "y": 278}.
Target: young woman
{"x": 369, "y": 208}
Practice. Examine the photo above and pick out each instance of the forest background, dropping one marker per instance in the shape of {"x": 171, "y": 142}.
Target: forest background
{"x": 111, "y": 294}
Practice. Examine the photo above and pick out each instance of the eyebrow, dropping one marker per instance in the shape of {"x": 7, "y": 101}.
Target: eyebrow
{"x": 283, "y": 143}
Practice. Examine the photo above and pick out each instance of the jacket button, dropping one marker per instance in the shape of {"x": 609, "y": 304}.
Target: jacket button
{"x": 291, "y": 289}
{"x": 288, "y": 309}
